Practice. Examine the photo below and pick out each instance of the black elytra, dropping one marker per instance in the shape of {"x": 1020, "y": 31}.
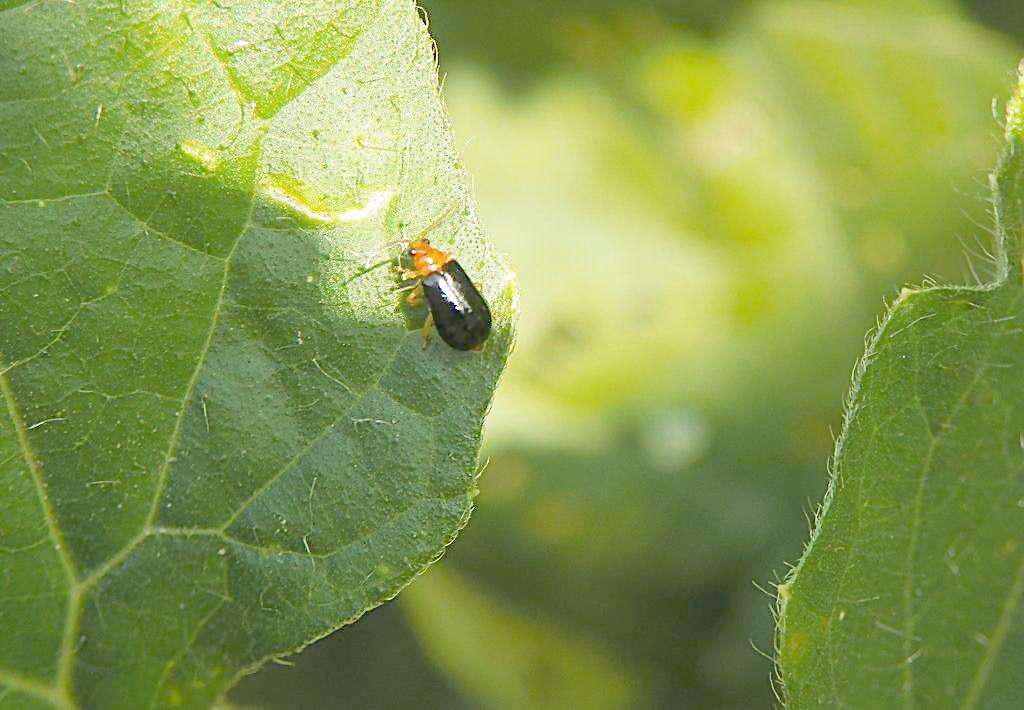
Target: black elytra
{"x": 460, "y": 313}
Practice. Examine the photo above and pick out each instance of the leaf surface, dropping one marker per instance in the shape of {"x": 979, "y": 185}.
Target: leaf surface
{"x": 909, "y": 594}
{"x": 220, "y": 437}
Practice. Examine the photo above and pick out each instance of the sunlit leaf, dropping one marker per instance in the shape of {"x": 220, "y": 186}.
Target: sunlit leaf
{"x": 221, "y": 438}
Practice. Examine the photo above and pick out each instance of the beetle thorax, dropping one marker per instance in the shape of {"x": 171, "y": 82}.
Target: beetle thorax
{"x": 426, "y": 259}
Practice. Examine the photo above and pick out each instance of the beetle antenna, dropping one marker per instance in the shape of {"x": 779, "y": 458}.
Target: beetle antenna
{"x": 436, "y": 223}
{"x": 419, "y": 235}
{"x": 390, "y": 245}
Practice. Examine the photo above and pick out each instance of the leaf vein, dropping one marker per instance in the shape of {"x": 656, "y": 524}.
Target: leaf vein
{"x": 164, "y": 235}
{"x": 910, "y": 620}
{"x": 388, "y": 520}
{"x": 316, "y": 440}
{"x": 29, "y": 686}
{"x": 998, "y": 638}
{"x": 173, "y": 660}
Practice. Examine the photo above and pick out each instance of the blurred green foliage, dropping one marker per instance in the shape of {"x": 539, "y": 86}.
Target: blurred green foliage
{"x": 705, "y": 204}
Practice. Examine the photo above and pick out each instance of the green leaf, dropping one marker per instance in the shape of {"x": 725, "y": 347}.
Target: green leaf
{"x": 909, "y": 594}
{"x": 221, "y": 435}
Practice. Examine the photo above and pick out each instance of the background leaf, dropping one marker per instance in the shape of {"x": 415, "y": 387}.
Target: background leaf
{"x": 533, "y": 665}
{"x": 909, "y": 593}
{"x": 220, "y": 438}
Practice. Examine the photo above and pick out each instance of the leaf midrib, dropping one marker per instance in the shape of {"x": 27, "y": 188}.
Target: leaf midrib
{"x": 61, "y": 694}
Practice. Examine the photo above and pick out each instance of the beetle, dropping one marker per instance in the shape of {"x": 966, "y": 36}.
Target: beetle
{"x": 457, "y": 310}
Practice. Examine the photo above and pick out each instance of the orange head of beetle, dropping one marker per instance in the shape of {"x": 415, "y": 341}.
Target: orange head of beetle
{"x": 426, "y": 260}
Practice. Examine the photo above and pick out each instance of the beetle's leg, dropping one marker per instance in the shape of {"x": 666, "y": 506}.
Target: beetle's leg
{"x": 405, "y": 289}
{"x": 415, "y": 297}
{"x": 427, "y": 325}
{"x": 403, "y": 273}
